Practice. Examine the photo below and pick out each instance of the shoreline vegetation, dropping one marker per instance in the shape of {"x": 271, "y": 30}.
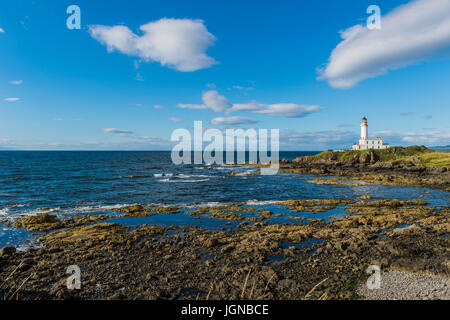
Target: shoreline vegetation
{"x": 253, "y": 258}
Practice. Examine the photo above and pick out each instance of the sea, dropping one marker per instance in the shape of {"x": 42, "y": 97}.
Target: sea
{"x": 73, "y": 183}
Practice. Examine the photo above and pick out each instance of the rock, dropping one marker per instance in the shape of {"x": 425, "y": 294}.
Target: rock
{"x": 287, "y": 284}
{"x": 415, "y": 161}
{"x": 135, "y": 210}
{"x": 343, "y": 245}
{"x": 59, "y": 290}
{"x": 373, "y": 157}
{"x": 26, "y": 264}
{"x": 39, "y": 222}
{"x": 212, "y": 242}
{"x": 7, "y": 251}
{"x": 364, "y": 158}
{"x": 228, "y": 248}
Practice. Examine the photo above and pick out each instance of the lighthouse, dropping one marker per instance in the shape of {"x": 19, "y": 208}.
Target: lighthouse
{"x": 366, "y": 143}
{"x": 364, "y": 129}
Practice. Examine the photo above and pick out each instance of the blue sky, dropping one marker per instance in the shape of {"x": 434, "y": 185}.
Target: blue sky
{"x": 259, "y": 64}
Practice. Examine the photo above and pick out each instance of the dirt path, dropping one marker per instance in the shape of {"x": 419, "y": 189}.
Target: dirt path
{"x": 397, "y": 285}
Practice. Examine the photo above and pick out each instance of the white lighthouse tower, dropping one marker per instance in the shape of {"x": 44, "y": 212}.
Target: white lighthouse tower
{"x": 366, "y": 143}
{"x": 364, "y": 129}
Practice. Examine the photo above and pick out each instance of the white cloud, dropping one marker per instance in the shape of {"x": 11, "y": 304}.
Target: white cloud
{"x": 422, "y": 137}
{"x": 232, "y": 120}
{"x": 191, "y": 106}
{"x": 410, "y": 33}
{"x": 213, "y": 100}
{"x": 11, "y": 99}
{"x": 16, "y": 82}
{"x": 290, "y": 110}
{"x": 1, "y": 30}
{"x": 157, "y": 106}
{"x": 242, "y": 88}
{"x": 119, "y": 132}
{"x": 326, "y": 137}
{"x": 174, "y": 119}
{"x": 180, "y": 44}
{"x": 58, "y": 119}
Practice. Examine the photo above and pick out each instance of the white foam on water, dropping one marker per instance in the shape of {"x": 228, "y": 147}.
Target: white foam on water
{"x": 255, "y": 202}
{"x": 211, "y": 204}
{"x": 60, "y": 212}
{"x": 182, "y": 175}
{"x": 157, "y": 175}
{"x": 4, "y": 211}
{"x": 184, "y": 181}
{"x": 246, "y": 173}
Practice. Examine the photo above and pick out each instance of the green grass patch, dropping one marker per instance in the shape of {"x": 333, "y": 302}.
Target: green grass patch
{"x": 436, "y": 159}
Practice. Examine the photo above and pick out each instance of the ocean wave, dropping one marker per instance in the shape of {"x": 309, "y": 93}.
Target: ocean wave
{"x": 255, "y": 202}
{"x": 9, "y": 195}
{"x": 183, "y": 180}
{"x": 137, "y": 177}
{"x": 246, "y": 173}
{"x": 61, "y": 212}
{"x": 210, "y": 204}
{"x": 157, "y": 175}
{"x": 182, "y": 175}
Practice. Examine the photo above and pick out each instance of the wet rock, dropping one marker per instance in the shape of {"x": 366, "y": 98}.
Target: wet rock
{"x": 135, "y": 210}
{"x": 342, "y": 245}
{"x": 212, "y": 242}
{"x": 39, "y": 222}
{"x": 228, "y": 248}
{"x": 26, "y": 264}
{"x": 98, "y": 232}
{"x": 7, "y": 251}
{"x": 149, "y": 262}
{"x": 287, "y": 285}
{"x": 60, "y": 291}
{"x": 168, "y": 209}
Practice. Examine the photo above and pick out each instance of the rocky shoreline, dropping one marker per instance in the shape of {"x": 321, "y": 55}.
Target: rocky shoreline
{"x": 321, "y": 259}
{"x": 390, "y": 167}
{"x": 291, "y": 251}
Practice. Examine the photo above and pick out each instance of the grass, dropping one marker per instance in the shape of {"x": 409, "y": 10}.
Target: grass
{"x": 435, "y": 159}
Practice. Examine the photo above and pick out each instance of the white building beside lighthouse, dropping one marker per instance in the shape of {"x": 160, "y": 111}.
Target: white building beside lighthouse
{"x": 366, "y": 143}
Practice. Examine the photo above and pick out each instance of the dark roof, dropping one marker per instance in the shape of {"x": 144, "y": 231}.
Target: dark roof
{"x": 364, "y": 118}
